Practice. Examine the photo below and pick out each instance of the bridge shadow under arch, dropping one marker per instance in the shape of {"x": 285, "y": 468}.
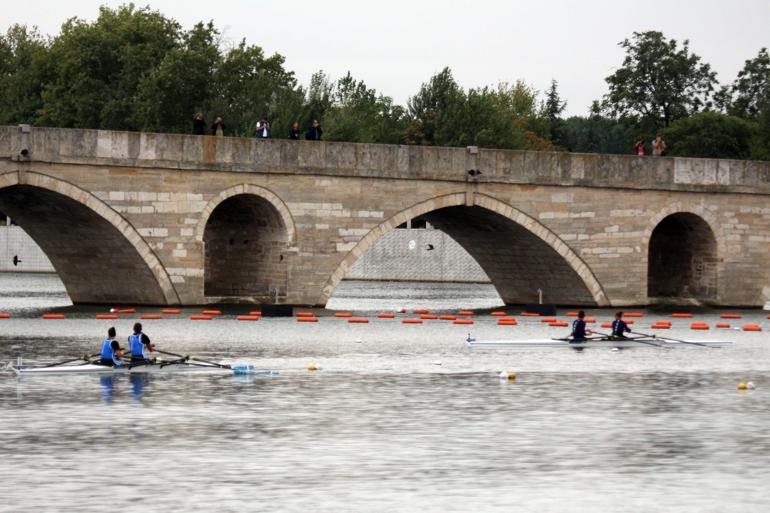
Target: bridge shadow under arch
{"x": 246, "y": 232}
{"x": 518, "y": 253}
{"x": 98, "y": 255}
{"x": 682, "y": 259}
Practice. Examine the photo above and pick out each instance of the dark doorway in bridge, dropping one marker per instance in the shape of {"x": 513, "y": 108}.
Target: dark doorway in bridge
{"x": 245, "y": 244}
{"x": 682, "y": 259}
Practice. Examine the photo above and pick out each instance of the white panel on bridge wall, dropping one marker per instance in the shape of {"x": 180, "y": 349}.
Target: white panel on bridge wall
{"x": 15, "y": 242}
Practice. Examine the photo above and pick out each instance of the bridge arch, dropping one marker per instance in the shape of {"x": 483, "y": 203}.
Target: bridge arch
{"x": 99, "y": 255}
{"x": 476, "y": 222}
{"x": 683, "y": 255}
{"x": 246, "y": 233}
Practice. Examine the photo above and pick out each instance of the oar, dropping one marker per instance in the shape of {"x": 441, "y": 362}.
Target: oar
{"x": 635, "y": 339}
{"x": 669, "y": 338}
{"x": 188, "y": 357}
{"x": 85, "y": 357}
{"x": 567, "y": 339}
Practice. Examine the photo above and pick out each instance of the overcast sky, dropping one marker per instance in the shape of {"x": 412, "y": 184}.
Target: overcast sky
{"x": 396, "y": 45}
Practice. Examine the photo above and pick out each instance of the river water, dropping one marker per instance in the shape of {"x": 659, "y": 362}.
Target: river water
{"x": 399, "y": 418}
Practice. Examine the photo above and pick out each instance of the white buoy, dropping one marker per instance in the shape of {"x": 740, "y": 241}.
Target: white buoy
{"x": 615, "y": 349}
{"x": 112, "y": 310}
{"x": 358, "y": 341}
{"x": 437, "y": 362}
{"x": 750, "y": 385}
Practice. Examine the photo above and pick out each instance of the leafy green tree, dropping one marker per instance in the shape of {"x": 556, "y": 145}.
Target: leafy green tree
{"x": 24, "y": 69}
{"x": 760, "y": 143}
{"x": 659, "y": 82}
{"x": 167, "y": 96}
{"x": 97, "y": 67}
{"x": 430, "y": 108}
{"x": 710, "y": 135}
{"x": 752, "y": 87}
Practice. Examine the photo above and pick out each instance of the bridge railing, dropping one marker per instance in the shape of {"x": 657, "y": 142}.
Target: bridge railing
{"x": 208, "y": 153}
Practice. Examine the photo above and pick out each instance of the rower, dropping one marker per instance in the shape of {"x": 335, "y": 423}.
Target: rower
{"x": 619, "y": 327}
{"x": 111, "y": 350}
{"x": 140, "y": 345}
{"x": 579, "y": 330}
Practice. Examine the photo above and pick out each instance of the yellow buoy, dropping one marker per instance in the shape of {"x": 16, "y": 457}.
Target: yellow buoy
{"x": 312, "y": 367}
{"x": 741, "y": 386}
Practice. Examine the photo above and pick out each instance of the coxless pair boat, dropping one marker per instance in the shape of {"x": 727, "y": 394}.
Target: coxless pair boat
{"x": 601, "y": 341}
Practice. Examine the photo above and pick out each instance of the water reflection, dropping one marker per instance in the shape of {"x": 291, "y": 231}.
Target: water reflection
{"x": 108, "y": 387}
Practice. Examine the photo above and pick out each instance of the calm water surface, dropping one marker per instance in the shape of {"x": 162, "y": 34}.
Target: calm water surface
{"x": 400, "y": 418}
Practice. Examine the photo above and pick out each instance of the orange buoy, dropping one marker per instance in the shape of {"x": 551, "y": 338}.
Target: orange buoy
{"x": 508, "y": 319}
{"x": 200, "y": 317}
{"x": 558, "y": 324}
{"x": 428, "y": 317}
{"x": 507, "y": 322}
{"x": 699, "y": 326}
{"x": 530, "y": 314}
{"x": 411, "y": 321}
{"x": 255, "y": 312}
{"x": 53, "y": 316}
{"x": 730, "y": 316}
{"x": 343, "y": 314}
{"x": 722, "y": 325}
{"x": 571, "y": 314}
{"x": 629, "y": 321}
{"x": 126, "y": 310}
{"x": 606, "y": 325}
{"x": 633, "y": 314}
{"x": 420, "y": 311}
{"x": 462, "y": 321}
{"x": 465, "y": 312}
{"x": 247, "y": 318}
{"x": 386, "y": 316}
{"x": 681, "y": 315}
{"x": 752, "y": 327}
{"x": 358, "y": 320}
{"x": 171, "y": 311}
{"x": 548, "y": 319}
{"x": 211, "y": 312}
{"x": 307, "y": 319}
{"x": 447, "y": 317}
{"x": 304, "y": 314}
{"x": 657, "y": 326}
{"x": 497, "y": 314}
{"x": 5, "y": 315}
{"x": 106, "y": 316}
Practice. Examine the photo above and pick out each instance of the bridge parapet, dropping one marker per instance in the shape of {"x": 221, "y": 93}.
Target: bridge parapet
{"x": 276, "y": 156}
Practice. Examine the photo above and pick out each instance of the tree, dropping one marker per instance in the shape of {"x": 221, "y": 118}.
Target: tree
{"x": 552, "y": 109}
{"x": 432, "y": 105}
{"x": 24, "y": 68}
{"x": 97, "y": 67}
{"x": 710, "y": 135}
{"x": 658, "y": 82}
{"x": 752, "y": 87}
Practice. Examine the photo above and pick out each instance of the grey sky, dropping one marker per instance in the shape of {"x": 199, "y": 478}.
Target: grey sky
{"x": 396, "y": 45}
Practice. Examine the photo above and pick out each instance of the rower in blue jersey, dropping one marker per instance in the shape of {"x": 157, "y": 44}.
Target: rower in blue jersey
{"x": 111, "y": 350}
{"x": 140, "y": 346}
{"x": 619, "y": 327}
{"x": 579, "y": 330}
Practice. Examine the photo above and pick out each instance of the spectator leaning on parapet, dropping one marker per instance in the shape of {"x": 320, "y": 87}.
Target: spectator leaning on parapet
{"x": 263, "y": 128}
{"x": 658, "y": 146}
{"x": 199, "y": 124}
{"x": 639, "y": 147}
{"x": 294, "y": 131}
{"x": 218, "y": 128}
{"x": 314, "y": 132}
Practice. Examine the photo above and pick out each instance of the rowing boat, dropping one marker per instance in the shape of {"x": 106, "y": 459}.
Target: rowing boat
{"x": 171, "y": 367}
{"x": 603, "y": 342}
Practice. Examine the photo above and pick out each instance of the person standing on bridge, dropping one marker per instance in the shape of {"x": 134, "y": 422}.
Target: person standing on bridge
{"x": 294, "y": 131}
{"x": 199, "y": 124}
{"x": 658, "y": 146}
{"x": 139, "y": 344}
{"x": 263, "y": 128}
{"x": 111, "y": 351}
{"x": 314, "y": 131}
{"x": 639, "y": 147}
{"x": 218, "y": 127}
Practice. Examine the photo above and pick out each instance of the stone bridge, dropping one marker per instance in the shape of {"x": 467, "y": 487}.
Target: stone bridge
{"x": 175, "y": 219}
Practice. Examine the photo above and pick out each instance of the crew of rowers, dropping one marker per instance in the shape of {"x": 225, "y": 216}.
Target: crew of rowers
{"x": 579, "y": 331}
{"x": 139, "y": 346}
